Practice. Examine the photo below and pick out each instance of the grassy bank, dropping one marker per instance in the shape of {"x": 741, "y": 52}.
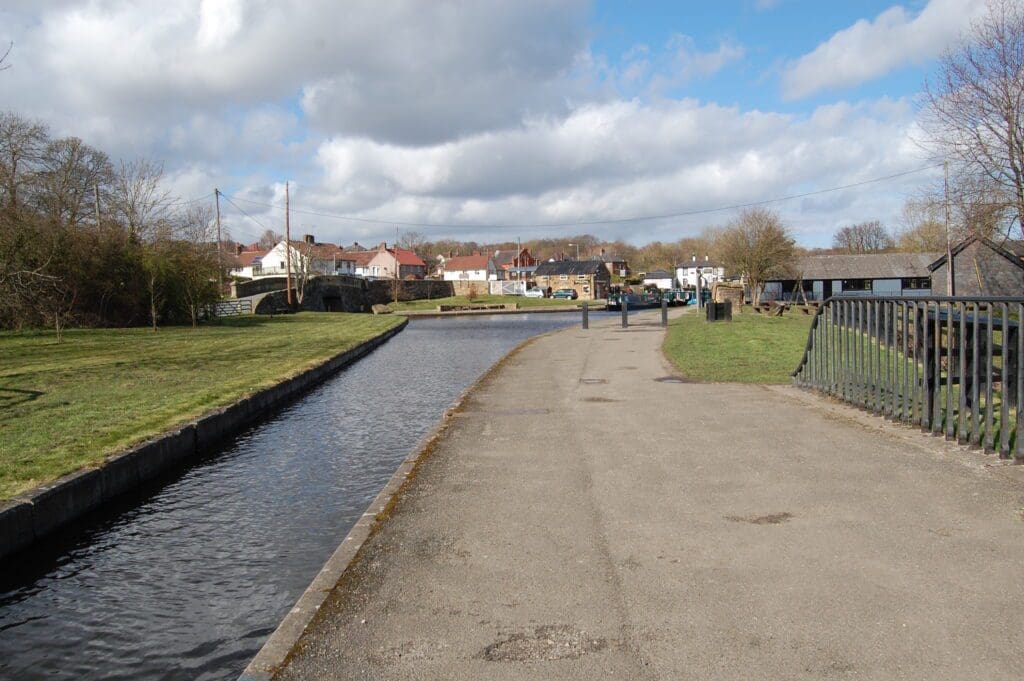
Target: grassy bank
{"x": 66, "y": 405}
{"x": 750, "y": 349}
{"x": 523, "y": 301}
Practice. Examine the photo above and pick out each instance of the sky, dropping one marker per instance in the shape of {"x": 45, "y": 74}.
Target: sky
{"x": 493, "y": 120}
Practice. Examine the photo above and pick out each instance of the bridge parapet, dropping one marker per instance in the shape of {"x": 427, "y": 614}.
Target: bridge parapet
{"x": 951, "y": 365}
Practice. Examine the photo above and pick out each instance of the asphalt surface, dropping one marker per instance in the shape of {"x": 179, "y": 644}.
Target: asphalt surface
{"x": 582, "y": 519}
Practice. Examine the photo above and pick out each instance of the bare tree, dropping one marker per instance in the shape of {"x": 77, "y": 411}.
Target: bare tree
{"x": 21, "y": 146}
{"x": 756, "y": 245}
{"x": 269, "y": 239}
{"x": 412, "y": 241}
{"x": 139, "y": 200}
{"x": 70, "y": 172}
{"x": 974, "y": 115}
{"x": 864, "y": 237}
{"x": 196, "y": 258}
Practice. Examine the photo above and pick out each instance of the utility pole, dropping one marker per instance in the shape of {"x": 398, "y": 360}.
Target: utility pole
{"x": 950, "y": 279}
{"x": 287, "y": 247}
{"x": 396, "y": 266}
{"x": 220, "y": 245}
{"x": 96, "y": 196}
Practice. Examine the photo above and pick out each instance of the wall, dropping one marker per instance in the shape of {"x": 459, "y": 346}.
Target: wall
{"x": 256, "y": 286}
{"x": 586, "y": 287}
{"x": 980, "y": 271}
{"x": 382, "y": 291}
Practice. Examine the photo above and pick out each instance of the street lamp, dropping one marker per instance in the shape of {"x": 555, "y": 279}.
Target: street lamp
{"x": 577, "y": 250}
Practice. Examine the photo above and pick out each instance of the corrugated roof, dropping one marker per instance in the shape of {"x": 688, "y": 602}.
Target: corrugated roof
{"x": 570, "y": 267}
{"x": 862, "y": 266}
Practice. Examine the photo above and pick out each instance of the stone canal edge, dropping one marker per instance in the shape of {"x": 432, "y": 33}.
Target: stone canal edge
{"x": 275, "y": 651}
{"x": 31, "y": 516}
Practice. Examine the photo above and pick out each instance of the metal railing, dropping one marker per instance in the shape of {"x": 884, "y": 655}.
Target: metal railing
{"x": 950, "y": 365}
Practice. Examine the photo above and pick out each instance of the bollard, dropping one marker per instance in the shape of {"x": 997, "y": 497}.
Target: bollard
{"x": 664, "y": 312}
{"x": 586, "y": 316}
{"x": 625, "y": 313}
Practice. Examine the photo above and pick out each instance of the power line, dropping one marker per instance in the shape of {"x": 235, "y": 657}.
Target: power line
{"x": 243, "y": 211}
{"x": 583, "y": 223}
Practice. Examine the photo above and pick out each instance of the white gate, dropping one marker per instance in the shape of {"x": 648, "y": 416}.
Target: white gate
{"x": 508, "y": 288}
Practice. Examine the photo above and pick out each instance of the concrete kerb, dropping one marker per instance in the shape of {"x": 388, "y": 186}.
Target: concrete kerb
{"x": 276, "y": 650}
{"x": 31, "y": 516}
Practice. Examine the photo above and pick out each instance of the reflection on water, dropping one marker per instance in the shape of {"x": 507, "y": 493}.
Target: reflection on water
{"x": 187, "y": 579}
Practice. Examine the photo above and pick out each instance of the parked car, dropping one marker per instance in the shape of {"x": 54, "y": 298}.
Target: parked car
{"x": 566, "y": 293}
{"x": 534, "y": 293}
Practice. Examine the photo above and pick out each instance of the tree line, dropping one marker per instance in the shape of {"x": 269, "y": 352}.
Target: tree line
{"x": 87, "y": 241}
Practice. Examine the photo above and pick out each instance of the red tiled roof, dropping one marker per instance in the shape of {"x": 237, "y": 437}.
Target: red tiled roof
{"x": 246, "y": 258}
{"x": 466, "y": 262}
{"x": 322, "y": 251}
{"x": 407, "y": 257}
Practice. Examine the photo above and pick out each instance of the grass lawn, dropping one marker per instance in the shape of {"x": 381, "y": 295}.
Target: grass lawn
{"x": 481, "y": 300}
{"x": 752, "y": 348}
{"x": 64, "y": 406}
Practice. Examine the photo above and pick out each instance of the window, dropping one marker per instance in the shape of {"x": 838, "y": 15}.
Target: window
{"x": 917, "y": 283}
{"x": 708, "y": 270}
{"x": 563, "y": 277}
{"x": 856, "y": 284}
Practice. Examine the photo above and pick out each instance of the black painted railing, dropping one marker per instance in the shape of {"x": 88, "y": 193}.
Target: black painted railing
{"x": 950, "y": 365}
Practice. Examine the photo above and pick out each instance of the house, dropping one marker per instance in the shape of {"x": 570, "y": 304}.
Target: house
{"x": 361, "y": 261}
{"x": 307, "y": 256}
{"x": 244, "y": 261}
{"x": 823, "y": 276}
{"x": 474, "y": 267}
{"x": 616, "y": 264}
{"x": 386, "y": 260}
{"x": 516, "y": 264}
{"x": 660, "y": 278}
{"x": 982, "y": 267}
{"x": 708, "y": 270}
{"x": 589, "y": 278}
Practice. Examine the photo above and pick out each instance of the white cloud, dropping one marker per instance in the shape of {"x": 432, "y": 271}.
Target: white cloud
{"x": 869, "y": 49}
{"x": 627, "y": 159}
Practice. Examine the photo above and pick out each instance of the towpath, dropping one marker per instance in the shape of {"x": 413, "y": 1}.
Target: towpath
{"x": 583, "y": 518}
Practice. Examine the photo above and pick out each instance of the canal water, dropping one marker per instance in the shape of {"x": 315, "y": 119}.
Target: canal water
{"x": 186, "y": 579}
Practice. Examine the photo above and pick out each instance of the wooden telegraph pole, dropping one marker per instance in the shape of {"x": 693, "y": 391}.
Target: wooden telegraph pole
{"x": 287, "y": 247}
{"x": 220, "y": 245}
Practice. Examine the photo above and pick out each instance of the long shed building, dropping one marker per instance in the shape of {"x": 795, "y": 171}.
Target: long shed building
{"x": 880, "y": 274}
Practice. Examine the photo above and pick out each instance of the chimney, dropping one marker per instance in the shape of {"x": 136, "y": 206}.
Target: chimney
{"x": 451, "y": 253}
{"x": 383, "y": 246}
{"x": 309, "y": 239}
{"x": 238, "y": 249}
{"x": 602, "y": 254}
{"x": 705, "y": 258}
{"x": 356, "y": 246}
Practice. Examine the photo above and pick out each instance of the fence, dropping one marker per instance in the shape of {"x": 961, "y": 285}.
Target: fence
{"x": 231, "y": 308}
{"x": 951, "y": 365}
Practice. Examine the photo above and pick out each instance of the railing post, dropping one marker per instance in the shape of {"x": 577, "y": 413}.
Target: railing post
{"x": 989, "y": 439}
{"x": 1004, "y": 402}
{"x": 927, "y": 366}
{"x": 961, "y": 425}
{"x": 975, "y": 437}
{"x": 949, "y": 373}
{"x": 1020, "y": 381}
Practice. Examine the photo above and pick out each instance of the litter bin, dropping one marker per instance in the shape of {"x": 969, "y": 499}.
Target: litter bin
{"x": 719, "y": 312}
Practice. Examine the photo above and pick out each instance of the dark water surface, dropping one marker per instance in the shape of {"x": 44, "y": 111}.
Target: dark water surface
{"x": 187, "y": 579}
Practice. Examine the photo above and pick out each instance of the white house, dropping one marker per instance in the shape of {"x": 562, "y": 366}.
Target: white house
{"x": 245, "y": 262}
{"x": 708, "y": 270}
{"x": 660, "y": 278}
{"x": 474, "y": 267}
{"x": 306, "y": 255}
